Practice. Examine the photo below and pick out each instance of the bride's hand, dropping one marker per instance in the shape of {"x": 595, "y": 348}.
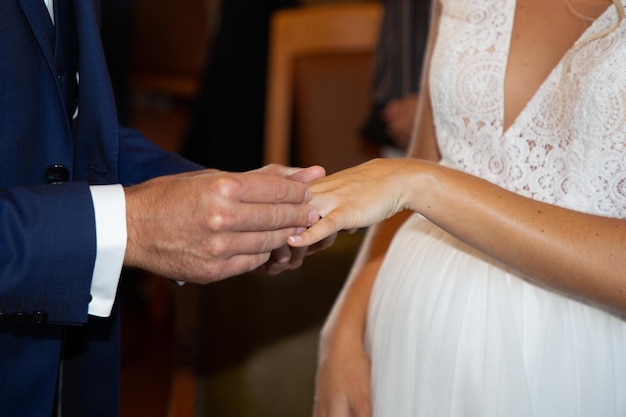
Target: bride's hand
{"x": 342, "y": 387}
{"x": 358, "y": 197}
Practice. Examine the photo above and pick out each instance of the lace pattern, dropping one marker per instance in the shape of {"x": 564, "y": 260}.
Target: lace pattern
{"x": 568, "y": 145}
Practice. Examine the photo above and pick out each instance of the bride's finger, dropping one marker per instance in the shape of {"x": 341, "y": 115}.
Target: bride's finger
{"x": 322, "y": 229}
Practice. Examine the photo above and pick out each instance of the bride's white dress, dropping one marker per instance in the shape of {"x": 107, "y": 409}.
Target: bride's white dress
{"x": 452, "y": 332}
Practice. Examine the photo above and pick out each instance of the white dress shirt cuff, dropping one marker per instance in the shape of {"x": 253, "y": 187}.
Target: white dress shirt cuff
{"x": 110, "y": 211}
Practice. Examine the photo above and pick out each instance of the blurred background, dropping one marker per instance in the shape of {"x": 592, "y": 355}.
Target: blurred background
{"x": 193, "y": 76}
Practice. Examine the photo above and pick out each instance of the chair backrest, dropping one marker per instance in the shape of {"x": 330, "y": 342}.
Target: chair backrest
{"x": 170, "y": 45}
{"x": 320, "y": 60}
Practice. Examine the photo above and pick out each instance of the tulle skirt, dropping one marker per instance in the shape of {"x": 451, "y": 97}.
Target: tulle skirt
{"x": 453, "y": 333}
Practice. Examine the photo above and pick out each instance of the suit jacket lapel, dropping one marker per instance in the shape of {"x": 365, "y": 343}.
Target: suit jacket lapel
{"x": 42, "y": 27}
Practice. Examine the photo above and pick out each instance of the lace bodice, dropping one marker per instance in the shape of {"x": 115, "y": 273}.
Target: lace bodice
{"x": 567, "y": 146}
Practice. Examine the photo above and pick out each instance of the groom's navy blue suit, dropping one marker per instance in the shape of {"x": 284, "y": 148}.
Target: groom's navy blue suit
{"x": 48, "y": 158}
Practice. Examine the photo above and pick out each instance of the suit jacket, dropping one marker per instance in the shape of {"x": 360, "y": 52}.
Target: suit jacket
{"x": 47, "y": 231}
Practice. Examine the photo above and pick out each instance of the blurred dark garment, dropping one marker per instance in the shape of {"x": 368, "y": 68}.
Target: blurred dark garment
{"x": 117, "y": 34}
{"x": 226, "y": 125}
{"x": 398, "y": 60}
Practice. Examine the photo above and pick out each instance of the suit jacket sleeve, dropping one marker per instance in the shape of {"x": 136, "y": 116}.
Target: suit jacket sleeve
{"x": 47, "y": 231}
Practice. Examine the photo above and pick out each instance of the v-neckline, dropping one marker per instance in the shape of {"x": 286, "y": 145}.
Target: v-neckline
{"x": 589, "y": 31}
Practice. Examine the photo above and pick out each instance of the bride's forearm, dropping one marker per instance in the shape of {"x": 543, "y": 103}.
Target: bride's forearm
{"x": 581, "y": 254}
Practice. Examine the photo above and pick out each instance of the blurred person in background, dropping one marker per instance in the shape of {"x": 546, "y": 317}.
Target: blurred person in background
{"x": 396, "y": 74}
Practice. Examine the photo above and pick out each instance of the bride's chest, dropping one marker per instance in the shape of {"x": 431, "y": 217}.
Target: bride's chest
{"x": 541, "y": 34}
{"x": 498, "y": 55}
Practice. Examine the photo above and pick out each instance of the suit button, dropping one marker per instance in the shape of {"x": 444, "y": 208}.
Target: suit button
{"x": 39, "y": 317}
{"x": 57, "y": 173}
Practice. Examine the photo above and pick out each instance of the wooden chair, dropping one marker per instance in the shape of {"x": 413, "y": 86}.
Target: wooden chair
{"x": 319, "y": 77}
{"x": 170, "y": 45}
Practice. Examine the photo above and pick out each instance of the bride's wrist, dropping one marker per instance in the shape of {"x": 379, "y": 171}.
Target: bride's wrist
{"x": 418, "y": 180}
